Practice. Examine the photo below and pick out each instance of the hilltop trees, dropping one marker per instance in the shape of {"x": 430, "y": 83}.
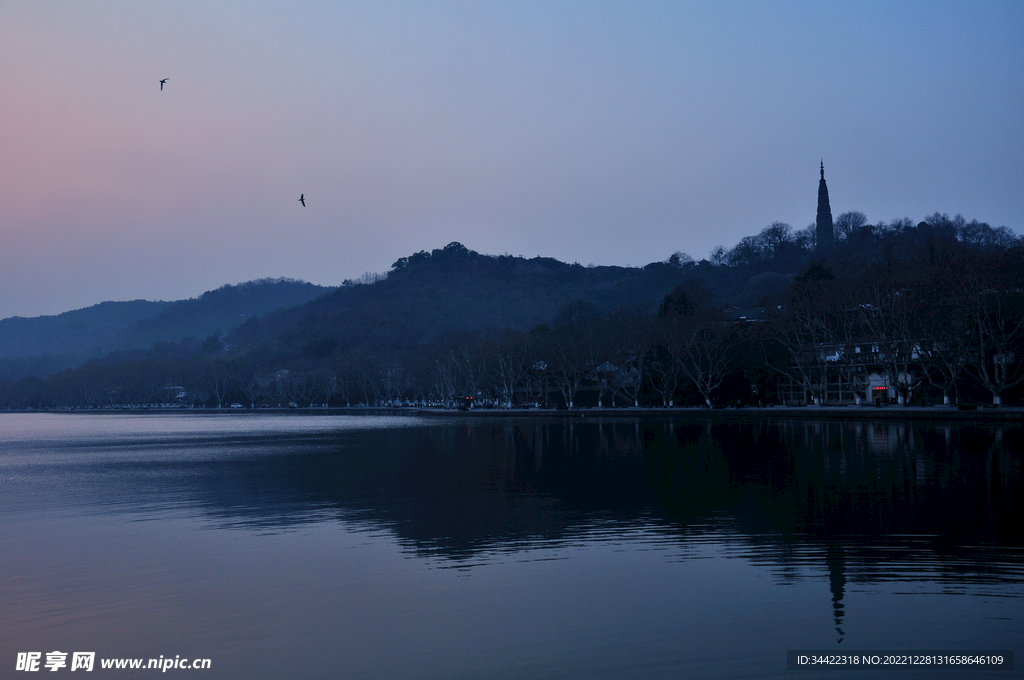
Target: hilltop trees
{"x": 849, "y": 225}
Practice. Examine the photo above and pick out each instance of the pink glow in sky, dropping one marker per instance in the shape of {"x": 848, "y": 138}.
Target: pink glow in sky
{"x": 612, "y": 133}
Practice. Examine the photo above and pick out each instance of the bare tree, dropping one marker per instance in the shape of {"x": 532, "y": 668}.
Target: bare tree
{"x": 775, "y": 238}
{"x": 664, "y": 371}
{"x": 572, "y": 347}
{"x": 254, "y": 387}
{"x": 538, "y": 378}
{"x": 327, "y": 385}
{"x": 221, "y": 376}
{"x": 806, "y": 327}
{"x": 719, "y": 256}
{"x": 364, "y": 374}
{"x": 391, "y": 380}
{"x": 848, "y": 224}
{"x": 847, "y": 355}
{"x": 998, "y": 315}
{"x": 345, "y": 382}
{"x": 193, "y": 379}
{"x": 946, "y": 330}
{"x": 301, "y": 387}
{"x": 512, "y": 360}
{"x": 611, "y": 353}
{"x": 707, "y": 350}
{"x": 471, "y": 356}
{"x": 748, "y": 251}
{"x": 807, "y": 238}
{"x": 889, "y": 312}
{"x": 634, "y": 343}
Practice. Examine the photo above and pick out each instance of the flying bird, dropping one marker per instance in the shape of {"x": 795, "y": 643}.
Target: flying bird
{"x": 162, "y": 83}
{"x": 302, "y": 200}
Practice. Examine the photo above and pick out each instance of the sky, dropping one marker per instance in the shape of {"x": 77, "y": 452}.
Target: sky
{"x": 612, "y": 133}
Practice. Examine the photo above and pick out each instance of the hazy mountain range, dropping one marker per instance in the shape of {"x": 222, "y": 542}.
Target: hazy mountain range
{"x": 45, "y": 344}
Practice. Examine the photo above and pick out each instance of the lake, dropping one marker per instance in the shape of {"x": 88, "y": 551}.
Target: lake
{"x": 370, "y": 546}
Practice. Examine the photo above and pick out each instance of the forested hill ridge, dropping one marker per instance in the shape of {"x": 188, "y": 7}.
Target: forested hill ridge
{"x": 45, "y": 344}
{"x": 447, "y": 322}
{"x": 455, "y": 290}
{"x": 449, "y": 290}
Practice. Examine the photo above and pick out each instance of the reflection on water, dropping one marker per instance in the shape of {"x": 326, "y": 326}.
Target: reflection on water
{"x": 877, "y": 526}
{"x": 836, "y": 583}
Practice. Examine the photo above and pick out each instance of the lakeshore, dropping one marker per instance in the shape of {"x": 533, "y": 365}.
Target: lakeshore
{"x": 987, "y": 414}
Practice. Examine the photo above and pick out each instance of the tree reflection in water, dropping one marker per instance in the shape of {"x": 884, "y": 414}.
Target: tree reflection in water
{"x": 863, "y": 501}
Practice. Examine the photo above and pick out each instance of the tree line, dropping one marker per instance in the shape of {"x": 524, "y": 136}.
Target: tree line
{"x": 934, "y": 310}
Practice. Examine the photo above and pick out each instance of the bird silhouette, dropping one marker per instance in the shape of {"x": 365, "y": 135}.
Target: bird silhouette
{"x": 302, "y": 200}
{"x": 162, "y": 83}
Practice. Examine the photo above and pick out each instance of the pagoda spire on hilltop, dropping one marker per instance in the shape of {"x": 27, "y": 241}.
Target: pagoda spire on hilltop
{"x": 824, "y": 232}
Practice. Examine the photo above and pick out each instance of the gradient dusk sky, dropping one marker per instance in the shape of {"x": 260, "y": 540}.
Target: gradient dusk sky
{"x": 597, "y": 132}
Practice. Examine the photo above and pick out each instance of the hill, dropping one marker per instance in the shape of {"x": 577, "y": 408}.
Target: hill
{"x": 43, "y": 345}
{"x": 451, "y": 290}
{"x": 78, "y": 332}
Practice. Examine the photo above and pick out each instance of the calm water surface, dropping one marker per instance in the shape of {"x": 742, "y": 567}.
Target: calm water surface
{"x": 288, "y": 546}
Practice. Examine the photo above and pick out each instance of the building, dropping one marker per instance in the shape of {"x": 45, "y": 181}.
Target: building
{"x": 824, "y": 233}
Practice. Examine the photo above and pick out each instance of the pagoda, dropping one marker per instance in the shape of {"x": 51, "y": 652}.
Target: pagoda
{"x": 824, "y": 233}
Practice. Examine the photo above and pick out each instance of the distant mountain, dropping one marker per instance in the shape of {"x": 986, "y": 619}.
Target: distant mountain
{"x": 42, "y": 345}
{"x": 219, "y": 311}
{"x": 77, "y": 332}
